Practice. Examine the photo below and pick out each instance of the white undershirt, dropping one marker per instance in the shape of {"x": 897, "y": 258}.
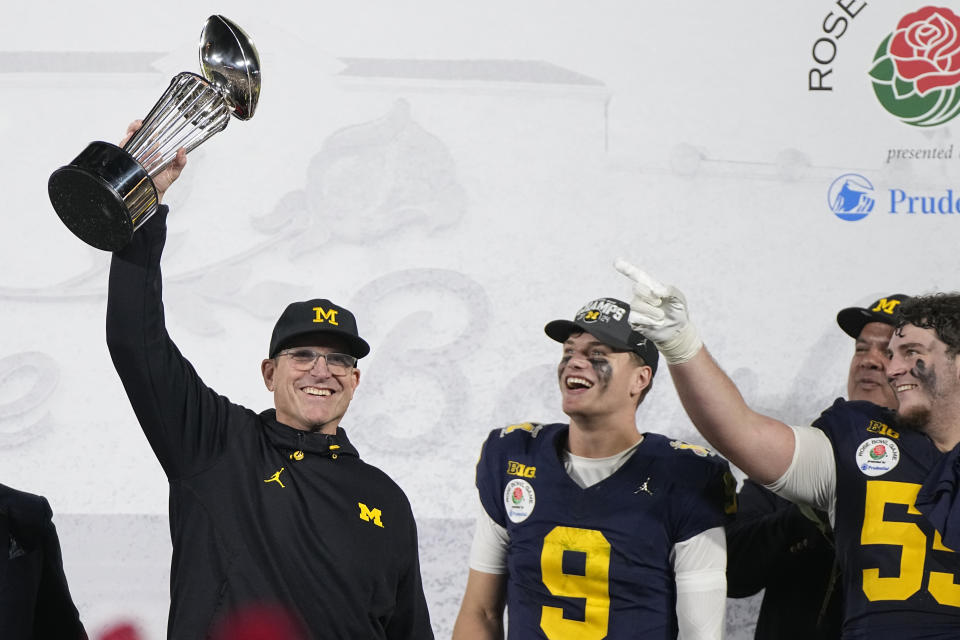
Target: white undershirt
{"x": 587, "y": 472}
{"x": 811, "y": 477}
{"x": 699, "y": 563}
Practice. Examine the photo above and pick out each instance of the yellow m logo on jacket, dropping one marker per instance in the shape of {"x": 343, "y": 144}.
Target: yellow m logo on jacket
{"x": 370, "y": 515}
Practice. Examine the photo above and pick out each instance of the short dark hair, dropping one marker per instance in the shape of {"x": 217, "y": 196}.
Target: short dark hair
{"x": 938, "y": 311}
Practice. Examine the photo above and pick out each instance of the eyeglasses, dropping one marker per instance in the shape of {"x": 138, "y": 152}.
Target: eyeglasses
{"x": 304, "y": 359}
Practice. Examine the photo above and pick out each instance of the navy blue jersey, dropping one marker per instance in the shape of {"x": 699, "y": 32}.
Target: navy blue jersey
{"x": 594, "y": 563}
{"x": 900, "y": 581}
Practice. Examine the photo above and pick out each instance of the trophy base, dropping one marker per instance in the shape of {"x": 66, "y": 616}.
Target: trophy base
{"x": 103, "y": 196}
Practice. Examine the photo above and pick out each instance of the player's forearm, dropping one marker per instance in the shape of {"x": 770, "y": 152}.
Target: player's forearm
{"x": 701, "y": 605}
{"x": 699, "y": 566}
{"x": 761, "y": 446}
{"x": 477, "y": 626}
{"x": 481, "y": 613}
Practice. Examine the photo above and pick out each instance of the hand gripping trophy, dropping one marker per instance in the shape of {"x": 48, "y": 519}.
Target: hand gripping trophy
{"x": 107, "y": 193}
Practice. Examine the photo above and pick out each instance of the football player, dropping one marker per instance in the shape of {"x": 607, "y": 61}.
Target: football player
{"x": 787, "y": 550}
{"x": 592, "y": 529}
{"x": 871, "y": 470}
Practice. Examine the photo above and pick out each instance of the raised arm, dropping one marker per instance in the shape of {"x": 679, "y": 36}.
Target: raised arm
{"x": 759, "y": 445}
{"x": 180, "y": 416}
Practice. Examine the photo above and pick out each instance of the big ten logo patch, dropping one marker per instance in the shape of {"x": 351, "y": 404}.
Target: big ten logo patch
{"x": 880, "y": 428}
{"x": 324, "y": 316}
{"x": 521, "y": 470}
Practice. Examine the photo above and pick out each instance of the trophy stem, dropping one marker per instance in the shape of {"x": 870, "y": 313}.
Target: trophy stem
{"x": 186, "y": 115}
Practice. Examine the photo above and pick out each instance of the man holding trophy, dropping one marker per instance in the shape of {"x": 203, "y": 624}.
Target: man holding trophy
{"x": 271, "y": 509}
{"x": 271, "y": 513}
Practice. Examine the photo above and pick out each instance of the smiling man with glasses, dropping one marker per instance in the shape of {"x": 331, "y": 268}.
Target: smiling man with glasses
{"x": 274, "y": 517}
{"x": 312, "y": 365}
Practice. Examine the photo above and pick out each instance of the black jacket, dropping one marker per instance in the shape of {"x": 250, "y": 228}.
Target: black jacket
{"x": 772, "y": 545}
{"x": 35, "y": 603}
{"x": 261, "y": 514}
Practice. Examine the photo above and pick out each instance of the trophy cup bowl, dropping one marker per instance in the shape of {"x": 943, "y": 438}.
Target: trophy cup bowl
{"x": 106, "y": 193}
{"x": 229, "y": 61}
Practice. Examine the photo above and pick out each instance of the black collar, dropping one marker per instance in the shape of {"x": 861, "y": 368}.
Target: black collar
{"x": 290, "y": 440}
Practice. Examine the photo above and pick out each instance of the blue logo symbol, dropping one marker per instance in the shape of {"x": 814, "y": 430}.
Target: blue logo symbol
{"x": 849, "y": 197}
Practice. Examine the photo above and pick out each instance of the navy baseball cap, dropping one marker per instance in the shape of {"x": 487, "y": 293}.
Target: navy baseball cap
{"x": 606, "y": 319}
{"x": 319, "y": 316}
{"x": 886, "y": 310}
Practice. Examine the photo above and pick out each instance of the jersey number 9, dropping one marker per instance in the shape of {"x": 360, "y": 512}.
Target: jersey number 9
{"x": 591, "y": 585}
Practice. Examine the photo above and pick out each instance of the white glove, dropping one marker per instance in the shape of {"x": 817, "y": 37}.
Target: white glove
{"x": 659, "y": 312}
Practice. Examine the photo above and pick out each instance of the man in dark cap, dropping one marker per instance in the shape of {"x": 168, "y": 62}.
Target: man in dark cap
{"x": 271, "y": 511}
{"x": 593, "y": 529}
{"x": 787, "y": 550}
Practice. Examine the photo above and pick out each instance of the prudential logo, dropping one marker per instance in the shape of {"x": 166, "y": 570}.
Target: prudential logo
{"x": 916, "y": 70}
{"x": 850, "y": 197}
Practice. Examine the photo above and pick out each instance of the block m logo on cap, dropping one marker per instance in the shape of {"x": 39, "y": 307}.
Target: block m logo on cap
{"x": 886, "y": 306}
{"x": 325, "y": 316}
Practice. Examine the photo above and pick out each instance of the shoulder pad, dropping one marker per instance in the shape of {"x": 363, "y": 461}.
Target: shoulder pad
{"x": 532, "y": 428}
{"x": 680, "y": 445}
{"x": 845, "y": 419}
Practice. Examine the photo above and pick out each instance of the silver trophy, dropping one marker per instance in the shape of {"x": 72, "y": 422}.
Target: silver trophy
{"x": 107, "y": 193}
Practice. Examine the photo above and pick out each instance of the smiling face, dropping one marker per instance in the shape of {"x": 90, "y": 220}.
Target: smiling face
{"x": 867, "y": 379}
{"x": 597, "y": 381}
{"x": 923, "y": 376}
{"x": 313, "y": 400}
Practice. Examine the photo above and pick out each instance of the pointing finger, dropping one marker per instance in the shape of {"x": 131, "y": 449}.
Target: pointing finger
{"x": 644, "y": 284}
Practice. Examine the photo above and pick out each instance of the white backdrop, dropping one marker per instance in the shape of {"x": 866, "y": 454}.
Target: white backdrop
{"x": 457, "y": 174}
